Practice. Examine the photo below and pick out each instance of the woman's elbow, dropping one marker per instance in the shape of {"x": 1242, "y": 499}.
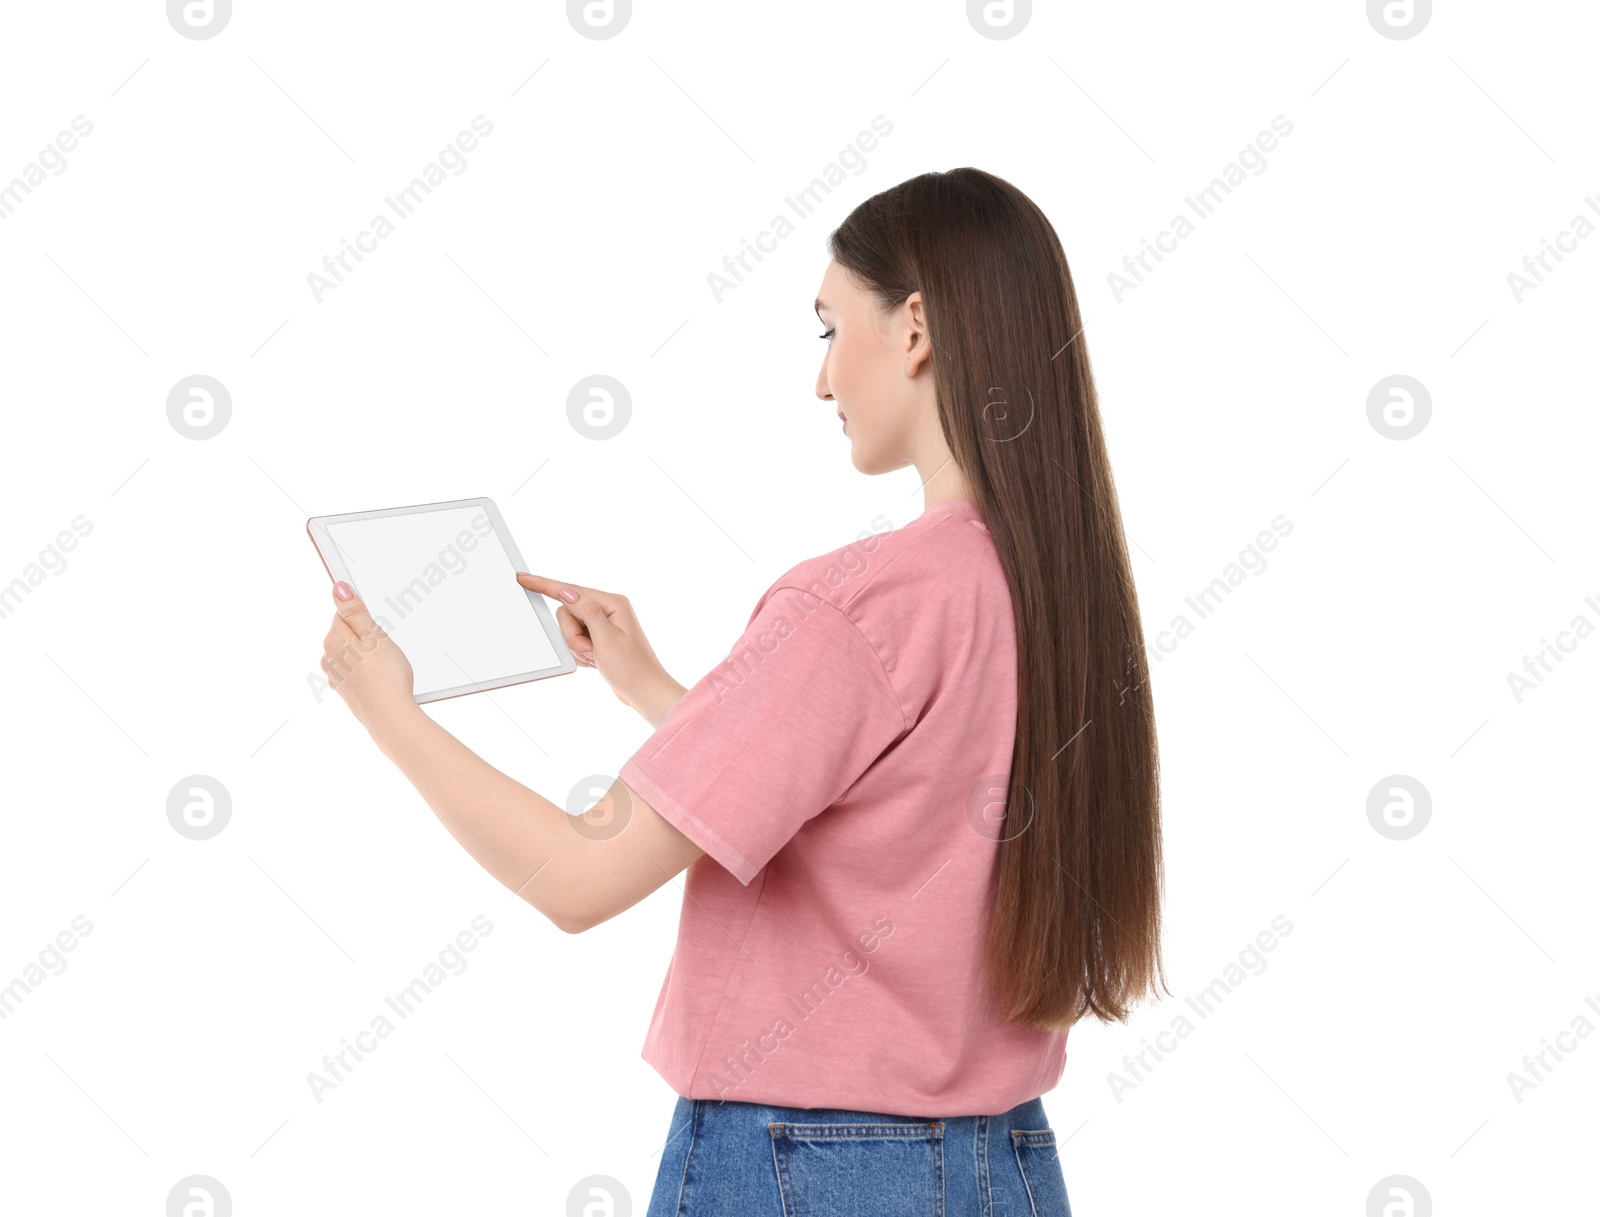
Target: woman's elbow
{"x": 561, "y": 911}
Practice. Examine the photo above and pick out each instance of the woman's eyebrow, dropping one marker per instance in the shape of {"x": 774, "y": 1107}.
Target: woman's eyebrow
{"x": 820, "y": 306}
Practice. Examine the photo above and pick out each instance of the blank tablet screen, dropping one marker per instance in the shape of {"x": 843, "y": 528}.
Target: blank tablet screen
{"x": 444, "y": 588}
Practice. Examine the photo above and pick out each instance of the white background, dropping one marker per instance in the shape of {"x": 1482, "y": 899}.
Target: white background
{"x": 180, "y": 637}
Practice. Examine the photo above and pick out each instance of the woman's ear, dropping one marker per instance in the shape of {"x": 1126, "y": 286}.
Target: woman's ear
{"x": 919, "y": 346}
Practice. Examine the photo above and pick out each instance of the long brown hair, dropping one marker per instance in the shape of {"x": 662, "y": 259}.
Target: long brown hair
{"x": 1077, "y": 897}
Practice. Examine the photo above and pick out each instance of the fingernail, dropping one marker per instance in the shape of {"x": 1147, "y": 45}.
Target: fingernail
{"x": 568, "y": 595}
{"x": 589, "y": 655}
{"x": 342, "y": 590}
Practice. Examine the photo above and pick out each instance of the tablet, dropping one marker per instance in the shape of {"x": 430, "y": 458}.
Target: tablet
{"x": 440, "y": 578}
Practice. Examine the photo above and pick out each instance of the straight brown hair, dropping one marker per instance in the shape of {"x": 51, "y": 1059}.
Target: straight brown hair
{"x": 1078, "y": 879}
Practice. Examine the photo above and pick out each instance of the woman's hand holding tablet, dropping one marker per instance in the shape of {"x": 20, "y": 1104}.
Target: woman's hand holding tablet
{"x": 439, "y": 579}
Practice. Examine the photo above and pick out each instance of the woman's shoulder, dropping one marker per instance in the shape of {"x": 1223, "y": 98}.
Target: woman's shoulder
{"x": 945, "y": 553}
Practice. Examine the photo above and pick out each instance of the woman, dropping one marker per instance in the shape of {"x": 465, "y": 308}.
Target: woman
{"x": 881, "y": 947}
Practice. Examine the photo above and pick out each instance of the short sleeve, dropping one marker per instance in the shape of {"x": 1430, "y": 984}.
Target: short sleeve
{"x": 772, "y": 736}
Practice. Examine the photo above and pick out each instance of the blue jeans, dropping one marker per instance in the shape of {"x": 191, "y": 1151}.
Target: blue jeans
{"x": 729, "y": 1159}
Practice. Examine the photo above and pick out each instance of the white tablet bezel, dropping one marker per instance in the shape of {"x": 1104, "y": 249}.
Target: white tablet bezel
{"x": 338, "y": 571}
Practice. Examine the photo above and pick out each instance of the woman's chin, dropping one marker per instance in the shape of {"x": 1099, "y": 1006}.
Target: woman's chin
{"x": 865, "y": 462}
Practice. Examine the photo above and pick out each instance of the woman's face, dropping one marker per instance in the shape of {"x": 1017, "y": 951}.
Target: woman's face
{"x": 876, "y": 372}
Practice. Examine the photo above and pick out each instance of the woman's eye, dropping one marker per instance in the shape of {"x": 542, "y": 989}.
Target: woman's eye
{"x": 827, "y": 334}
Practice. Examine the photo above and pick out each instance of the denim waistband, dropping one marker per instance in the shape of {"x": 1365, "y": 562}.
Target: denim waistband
{"x": 726, "y": 1158}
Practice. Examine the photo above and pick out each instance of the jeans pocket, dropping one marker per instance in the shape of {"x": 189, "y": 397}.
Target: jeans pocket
{"x": 1041, "y": 1172}
{"x": 839, "y": 1170}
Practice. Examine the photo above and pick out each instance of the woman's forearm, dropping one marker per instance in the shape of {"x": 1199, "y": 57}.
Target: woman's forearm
{"x": 655, "y": 706}
{"x": 514, "y": 833}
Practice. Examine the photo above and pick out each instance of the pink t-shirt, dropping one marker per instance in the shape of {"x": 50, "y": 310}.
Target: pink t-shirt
{"x": 842, "y": 770}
